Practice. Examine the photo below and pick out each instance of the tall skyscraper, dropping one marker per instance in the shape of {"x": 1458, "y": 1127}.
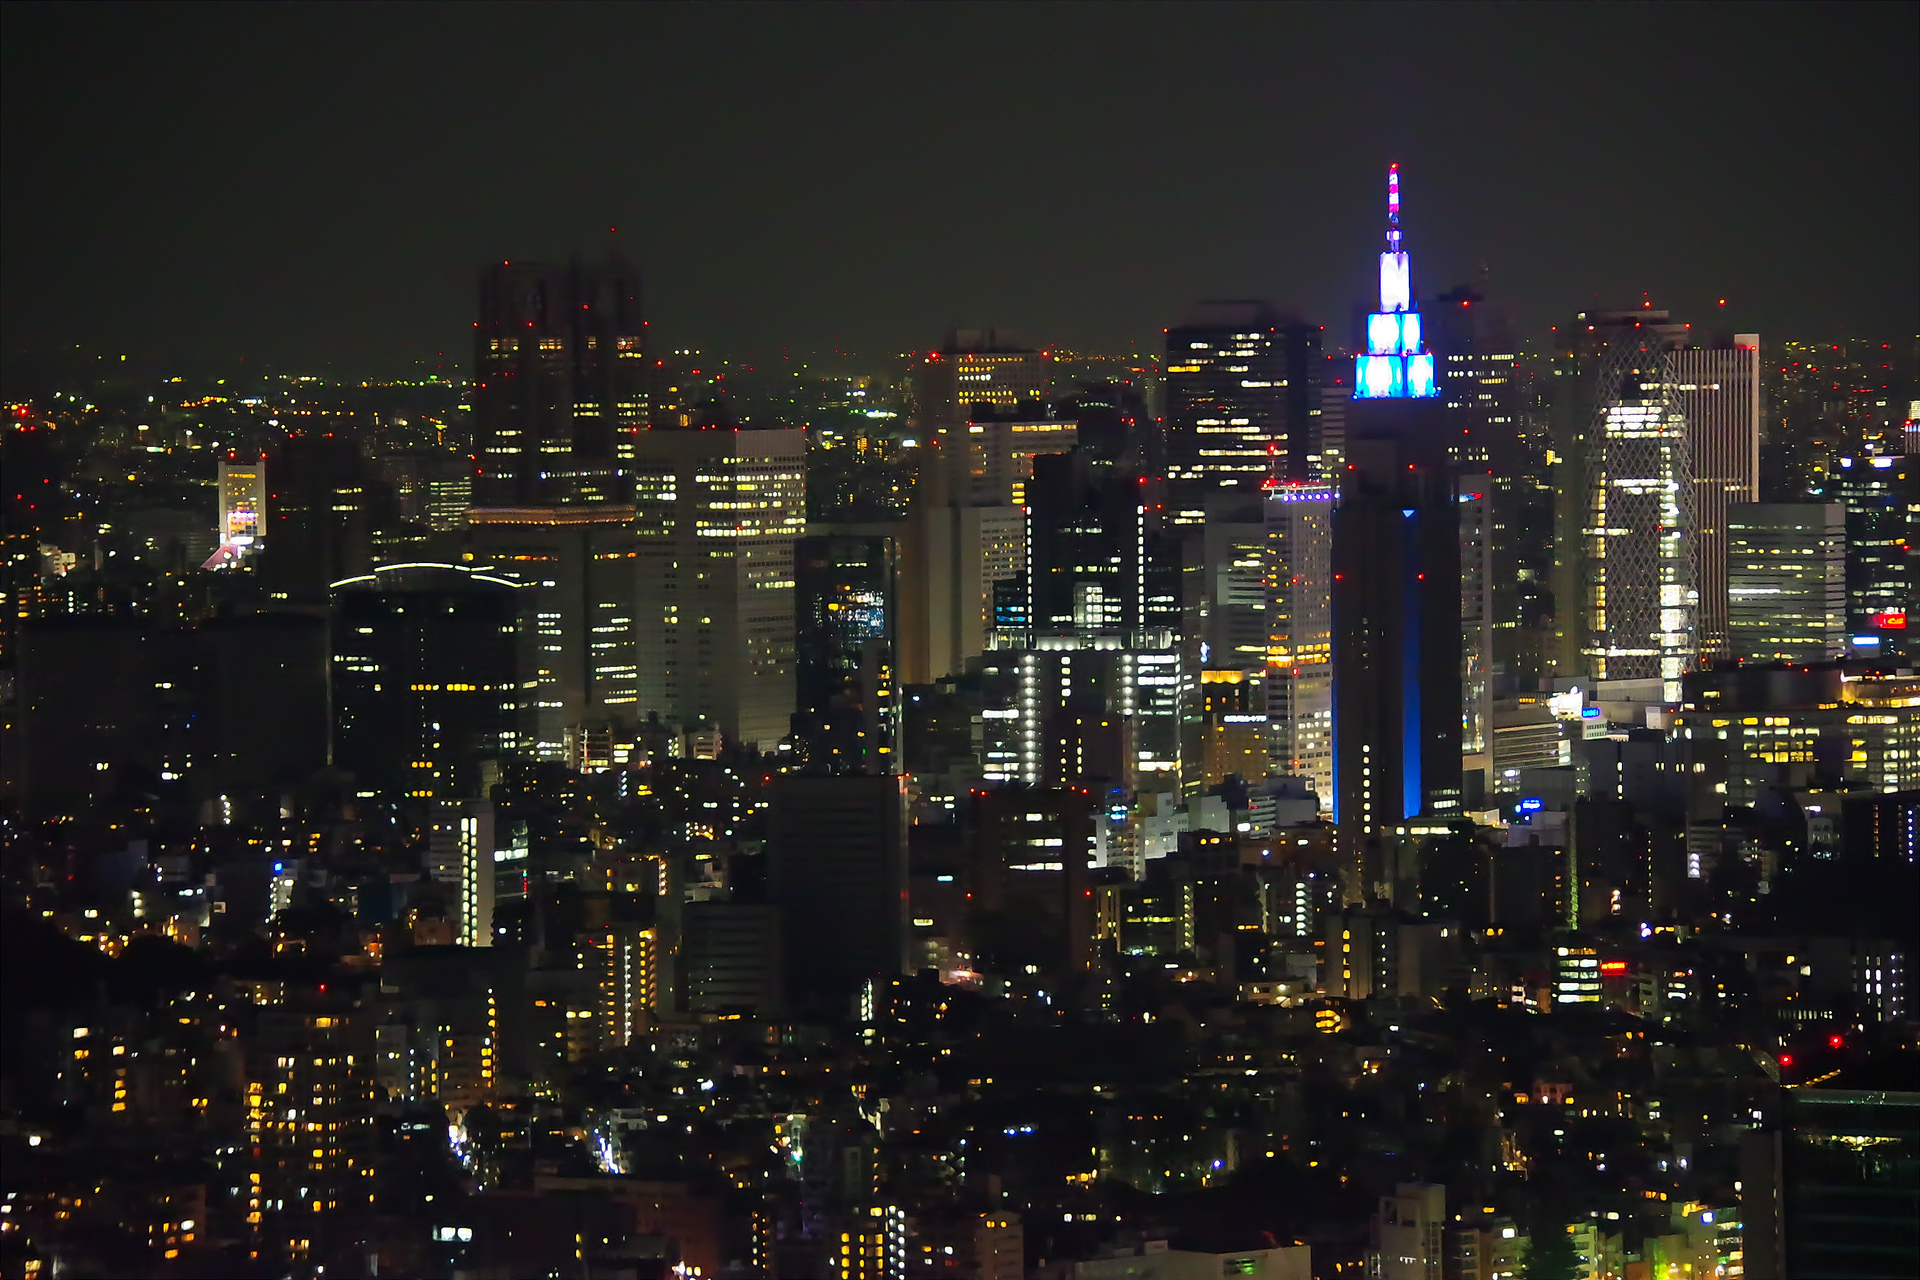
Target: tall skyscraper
{"x": 1717, "y": 389}
{"x": 1626, "y": 589}
{"x": 963, "y": 534}
{"x": 1882, "y": 505}
{"x": 559, "y": 389}
{"x": 848, "y": 715}
{"x": 718, "y": 513}
{"x": 1241, "y": 396}
{"x": 581, "y": 628}
{"x": 1477, "y": 623}
{"x": 1396, "y": 584}
{"x": 1299, "y": 674}
{"x": 1095, "y": 558}
{"x": 1786, "y": 581}
{"x": 427, "y": 663}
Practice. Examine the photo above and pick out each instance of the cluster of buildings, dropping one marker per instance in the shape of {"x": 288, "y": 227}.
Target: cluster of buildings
{"x": 1423, "y": 804}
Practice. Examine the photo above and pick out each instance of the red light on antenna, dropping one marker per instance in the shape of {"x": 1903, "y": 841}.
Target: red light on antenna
{"x": 1786, "y": 1059}
{"x": 1835, "y": 1042}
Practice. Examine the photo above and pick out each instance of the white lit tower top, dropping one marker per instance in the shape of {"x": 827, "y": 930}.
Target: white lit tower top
{"x": 1397, "y": 364}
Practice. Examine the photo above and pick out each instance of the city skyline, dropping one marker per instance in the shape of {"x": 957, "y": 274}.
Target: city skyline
{"x": 1161, "y": 735}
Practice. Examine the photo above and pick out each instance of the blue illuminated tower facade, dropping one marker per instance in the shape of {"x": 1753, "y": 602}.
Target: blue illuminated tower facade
{"x": 1396, "y": 589}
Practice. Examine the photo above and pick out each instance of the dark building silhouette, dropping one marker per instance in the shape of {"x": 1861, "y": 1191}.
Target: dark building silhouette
{"x": 846, "y": 589}
{"x": 839, "y": 875}
{"x": 426, "y": 679}
{"x": 324, "y": 504}
{"x": 232, "y": 715}
{"x": 559, "y": 382}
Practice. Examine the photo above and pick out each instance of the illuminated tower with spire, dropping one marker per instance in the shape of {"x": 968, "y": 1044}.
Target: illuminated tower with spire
{"x": 1396, "y": 364}
{"x": 1396, "y": 592}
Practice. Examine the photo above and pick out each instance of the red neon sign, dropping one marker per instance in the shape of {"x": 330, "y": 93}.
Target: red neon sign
{"x": 1891, "y": 620}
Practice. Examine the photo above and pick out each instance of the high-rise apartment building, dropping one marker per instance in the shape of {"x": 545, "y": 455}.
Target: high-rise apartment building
{"x": 460, "y": 861}
{"x": 1626, "y": 590}
{"x": 1717, "y": 390}
{"x": 1396, "y": 585}
{"x": 718, "y": 512}
{"x": 1241, "y": 397}
{"x": 559, "y": 389}
{"x": 1786, "y": 581}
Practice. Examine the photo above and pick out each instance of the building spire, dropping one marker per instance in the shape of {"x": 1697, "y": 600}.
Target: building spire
{"x": 1393, "y": 208}
{"x": 1397, "y": 364}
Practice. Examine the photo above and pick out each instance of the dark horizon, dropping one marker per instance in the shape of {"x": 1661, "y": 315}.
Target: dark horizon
{"x": 319, "y": 186}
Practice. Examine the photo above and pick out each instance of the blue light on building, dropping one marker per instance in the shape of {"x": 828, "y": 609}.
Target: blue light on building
{"x": 1397, "y": 365}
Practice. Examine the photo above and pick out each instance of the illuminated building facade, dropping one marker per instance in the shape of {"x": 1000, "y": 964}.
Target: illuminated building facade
{"x": 309, "y": 1129}
{"x": 977, "y": 366}
{"x": 996, "y": 456}
{"x": 460, "y": 860}
{"x": 1242, "y": 399}
{"x": 1757, "y": 726}
{"x": 1625, "y": 584}
{"x": 242, "y": 526}
{"x": 1299, "y": 618}
{"x": 1882, "y": 504}
{"x": 1396, "y": 588}
{"x": 559, "y": 389}
{"x": 1096, "y": 561}
{"x": 1717, "y": 390}
{"x": 1066, "y": 713}
{"x": 426, "y": 678}
{"x": 874, "y": 1247}
{"x": 1786, "y": 581}
{"x": 1476, "y": 628}
{"x": 718, "y": 513}
{"x": 578, "y": 635}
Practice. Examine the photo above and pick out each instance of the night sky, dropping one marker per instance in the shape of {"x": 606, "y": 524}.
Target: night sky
{"x": 319, "y": 184}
